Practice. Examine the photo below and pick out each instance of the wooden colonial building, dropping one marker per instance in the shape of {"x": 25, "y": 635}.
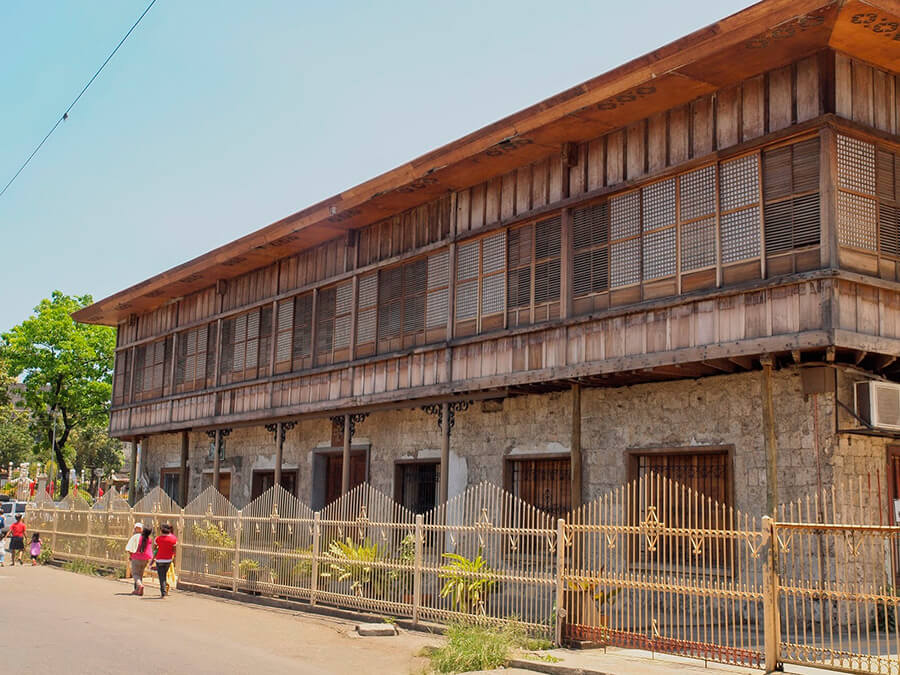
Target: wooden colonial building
{"x": 682, "y": 265}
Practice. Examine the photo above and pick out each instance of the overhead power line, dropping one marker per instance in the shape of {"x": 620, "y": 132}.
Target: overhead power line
{"x": 65, "y": 115}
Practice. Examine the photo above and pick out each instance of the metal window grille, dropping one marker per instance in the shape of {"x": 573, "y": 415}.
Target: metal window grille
{"x": 543, "y": 483}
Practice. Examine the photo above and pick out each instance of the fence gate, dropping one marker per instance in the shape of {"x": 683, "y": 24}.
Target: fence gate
{"x": 656, "y": 565}
{"x": 837, "y": 602}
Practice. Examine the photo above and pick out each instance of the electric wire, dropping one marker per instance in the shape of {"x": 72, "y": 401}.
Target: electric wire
{"x": 65, "y": 115}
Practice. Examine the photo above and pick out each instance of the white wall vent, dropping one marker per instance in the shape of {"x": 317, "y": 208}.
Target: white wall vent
{"x": 878, "y": 403}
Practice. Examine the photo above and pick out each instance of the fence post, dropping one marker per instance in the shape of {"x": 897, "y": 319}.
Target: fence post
{"x": 417, "y": 567}
{"x": 772, "y": 622}
{"x": 55, "y": 513}
{"x": 87, "y": 534}
{"x": 314, "y": 584}
{"x": 179, "y": 557}
{"x": 560, "y": 588}
{"x": 237, "y": 555}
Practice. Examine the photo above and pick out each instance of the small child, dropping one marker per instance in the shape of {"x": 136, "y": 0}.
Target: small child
{"x": 4, "y": 545}
{"x": 35, "y": 547}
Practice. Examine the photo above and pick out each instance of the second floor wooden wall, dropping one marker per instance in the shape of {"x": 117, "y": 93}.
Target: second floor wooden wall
{"x": 673, "y": 203}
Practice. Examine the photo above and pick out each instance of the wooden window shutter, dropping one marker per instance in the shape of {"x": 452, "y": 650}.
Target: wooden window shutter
{"x": 857, "y": 207}
{"x": 438, "y": 301}
{"x": 168, "y": 356}
{"x": 301, "y": 344}
{"x": 366, "y": 314}
{"x": 887, "y": 189}
{"x": 520, "y": 253}
{"x": 696, "y": 216}
{"x": 590, "y": 244}
{"x": 625, "y": 244}
{"x": 415, "y": 284}
{"x": 140, "y": 356}
{"x": 251, "y": 358}
{"x": 493, "y": 280}
{"x": 343, "y": 317}
{"x": 466, "y": 304}
{"x": 211, "y": 355}
{"x": 284, "y": 335}
{"x": 229, "y": 326}
{"x": 547, "y": 268}
{"x": 265, "y": 340}
{"x": 185, "y": 359}
{"x": 790, "y": 193}
{"x": 390, "y": 308}
{"x": 325, "y": 324}
{"x": 120, "y": 377}
{"x": 658, "y": 228}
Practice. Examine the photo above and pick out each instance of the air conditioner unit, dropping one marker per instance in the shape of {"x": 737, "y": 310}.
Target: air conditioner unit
{"x": 878, "y": 403}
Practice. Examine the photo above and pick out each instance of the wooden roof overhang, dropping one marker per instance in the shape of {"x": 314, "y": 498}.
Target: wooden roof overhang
{"x": 766, "y": 35}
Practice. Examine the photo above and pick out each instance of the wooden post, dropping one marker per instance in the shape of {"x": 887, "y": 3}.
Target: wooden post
{"x": 183, "y": 475}
{"x": 575, "y": 453}
{"x": 771, "y": 620}
{"x": 218, "y": 444}
{"x": 768, "y": 419}
{"x": 445, "y": 452}
{"x": 279, "y": 451}
{"x": 345, "y": 459}
{"x": 132, "y": 481}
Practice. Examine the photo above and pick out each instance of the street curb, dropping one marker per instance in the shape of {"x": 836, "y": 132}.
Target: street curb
{"x": 554, "y": 668}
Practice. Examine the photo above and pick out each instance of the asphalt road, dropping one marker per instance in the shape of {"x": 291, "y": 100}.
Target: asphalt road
{"x": 58, "y": 621}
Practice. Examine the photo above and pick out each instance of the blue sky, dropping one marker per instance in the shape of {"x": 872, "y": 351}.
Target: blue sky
{"x": 217, "y": 118}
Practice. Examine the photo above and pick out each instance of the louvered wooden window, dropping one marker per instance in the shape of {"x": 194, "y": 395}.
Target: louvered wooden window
{"x": 791, "y": 197}
{"x": 120, "y": 377}
{"x": 480, "y": 284}
{"x": 246, "y": 341}
{"x": 887, "y": 188}
{"x": 857, "y": 219}
{"x": 293, "y": 334}
{"x": 334, "y": 312}
{"x": 401, "y": 305}
{"x": 533, "y": 272}
{"x": 739, "y": 222}
{"x": 697, "y": 219}
{"x": 366, "y": 314}
{"x": 437, "y": 302}
{"x": 590, "y": 246}
{"x": 151, "y": 369}
{"x": 192, "y": 363}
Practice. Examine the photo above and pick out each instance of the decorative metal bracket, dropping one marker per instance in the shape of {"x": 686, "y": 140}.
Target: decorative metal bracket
{"x": 222, "y": 434}
{"x": 355, "y": 418}
{"x": 437, "y": 409}
{"x": 285, "y": 427}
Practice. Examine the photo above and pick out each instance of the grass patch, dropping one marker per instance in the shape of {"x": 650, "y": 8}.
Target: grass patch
{"x": 81, "y": 567}
{"x": 474, "y": 647}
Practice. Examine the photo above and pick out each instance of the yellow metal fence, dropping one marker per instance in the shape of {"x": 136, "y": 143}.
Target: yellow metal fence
{"x": 653, "y": 565}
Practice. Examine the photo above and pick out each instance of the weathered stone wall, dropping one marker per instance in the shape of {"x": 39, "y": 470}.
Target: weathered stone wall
{"x": 716, "y": 411}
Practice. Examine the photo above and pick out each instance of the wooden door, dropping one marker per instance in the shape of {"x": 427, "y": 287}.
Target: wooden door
{"x": 225, "y": 485}
{"x": 333, "y": 473}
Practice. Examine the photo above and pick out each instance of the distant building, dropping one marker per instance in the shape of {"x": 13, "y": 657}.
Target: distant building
{"x": 682, "y": 266}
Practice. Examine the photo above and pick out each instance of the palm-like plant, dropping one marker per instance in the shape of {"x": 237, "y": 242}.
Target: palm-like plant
{"x": 353, "y": 563}
{"x": 468, "y": 582}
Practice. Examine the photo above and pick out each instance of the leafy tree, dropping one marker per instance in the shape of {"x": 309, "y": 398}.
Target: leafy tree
{"x": 94, "y": 449}
{"x": 16, "y": 439}
{"x": 66, "y": 368}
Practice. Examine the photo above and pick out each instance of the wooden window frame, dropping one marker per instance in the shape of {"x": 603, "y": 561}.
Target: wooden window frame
{"x": 284, "y": 472}
{"x": 185, "y": 380}
{"x": 174, "y": 471}
{"x": 157, "y": 369}
{"x": 596, "y": 248}
{"x": 121, "y": 373}
{"x": 742, "y": 268}
{"x": 252, "y": 345}
{"x": 632, "y": 457}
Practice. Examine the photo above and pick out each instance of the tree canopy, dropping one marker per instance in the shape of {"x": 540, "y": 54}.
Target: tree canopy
{"x": 66, "y": 368}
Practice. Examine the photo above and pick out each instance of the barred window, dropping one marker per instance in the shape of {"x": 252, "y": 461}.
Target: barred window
{"x": 543, "y": 483}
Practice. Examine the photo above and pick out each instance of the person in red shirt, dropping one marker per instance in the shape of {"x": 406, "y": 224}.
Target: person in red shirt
{"x": 17, "y": 539}
{"x": 165, "y": 556}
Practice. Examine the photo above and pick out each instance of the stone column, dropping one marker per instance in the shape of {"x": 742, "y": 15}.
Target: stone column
{"x": 445, "y": 453}
{"x": 216, "y": 462}
{"x": 345, "y": 459}
{"x": 575, "y": 452}
{"x": 132, "y": 479}
{"x": 768, "y": 419}
{"x": 183, "y": 473}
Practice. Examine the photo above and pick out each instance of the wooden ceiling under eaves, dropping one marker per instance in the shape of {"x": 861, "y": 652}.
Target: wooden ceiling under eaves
{"x": 764, "y": 36}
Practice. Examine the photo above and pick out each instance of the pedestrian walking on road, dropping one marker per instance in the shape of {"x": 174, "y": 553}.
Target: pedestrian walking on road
{"x": 17, "y": 539}
{"x": 140, "y": 550}
{"x": 165, "y": 556}
{"x": 35, "y": 547}
{"x": 4, "y": 545}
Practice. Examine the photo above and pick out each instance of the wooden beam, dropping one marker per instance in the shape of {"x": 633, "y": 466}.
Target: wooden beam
{"x": 829, "y": 354}
{"x": 860, "y": 355}
{"x": 345, "y": 458}
{"x": 445, "y": 453}
{"x": 883, "y": 361}
{"x": 722, "y": 365}
{"x": 795, "y": 354}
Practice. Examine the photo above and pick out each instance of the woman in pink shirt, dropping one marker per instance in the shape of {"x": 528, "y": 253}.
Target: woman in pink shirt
{"x": 140, "y": 558}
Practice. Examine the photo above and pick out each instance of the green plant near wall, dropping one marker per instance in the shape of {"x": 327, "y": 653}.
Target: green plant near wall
{"x": 467, "y": 582}
{"x": 221, "y": 543}
{"x": 249, "y": 567}
{"x": 302, "y": 569}
{"x": 45, "y": 556}
{"x": 353, "y": 562}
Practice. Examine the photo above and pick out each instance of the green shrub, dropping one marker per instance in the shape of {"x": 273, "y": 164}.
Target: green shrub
{"x": 466, "y": 581}
{"x": 45, "y": 556}
{"x": 353, "y": 563}
{"x": 248, "y": 565}
{"x": 212, "y": 535}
